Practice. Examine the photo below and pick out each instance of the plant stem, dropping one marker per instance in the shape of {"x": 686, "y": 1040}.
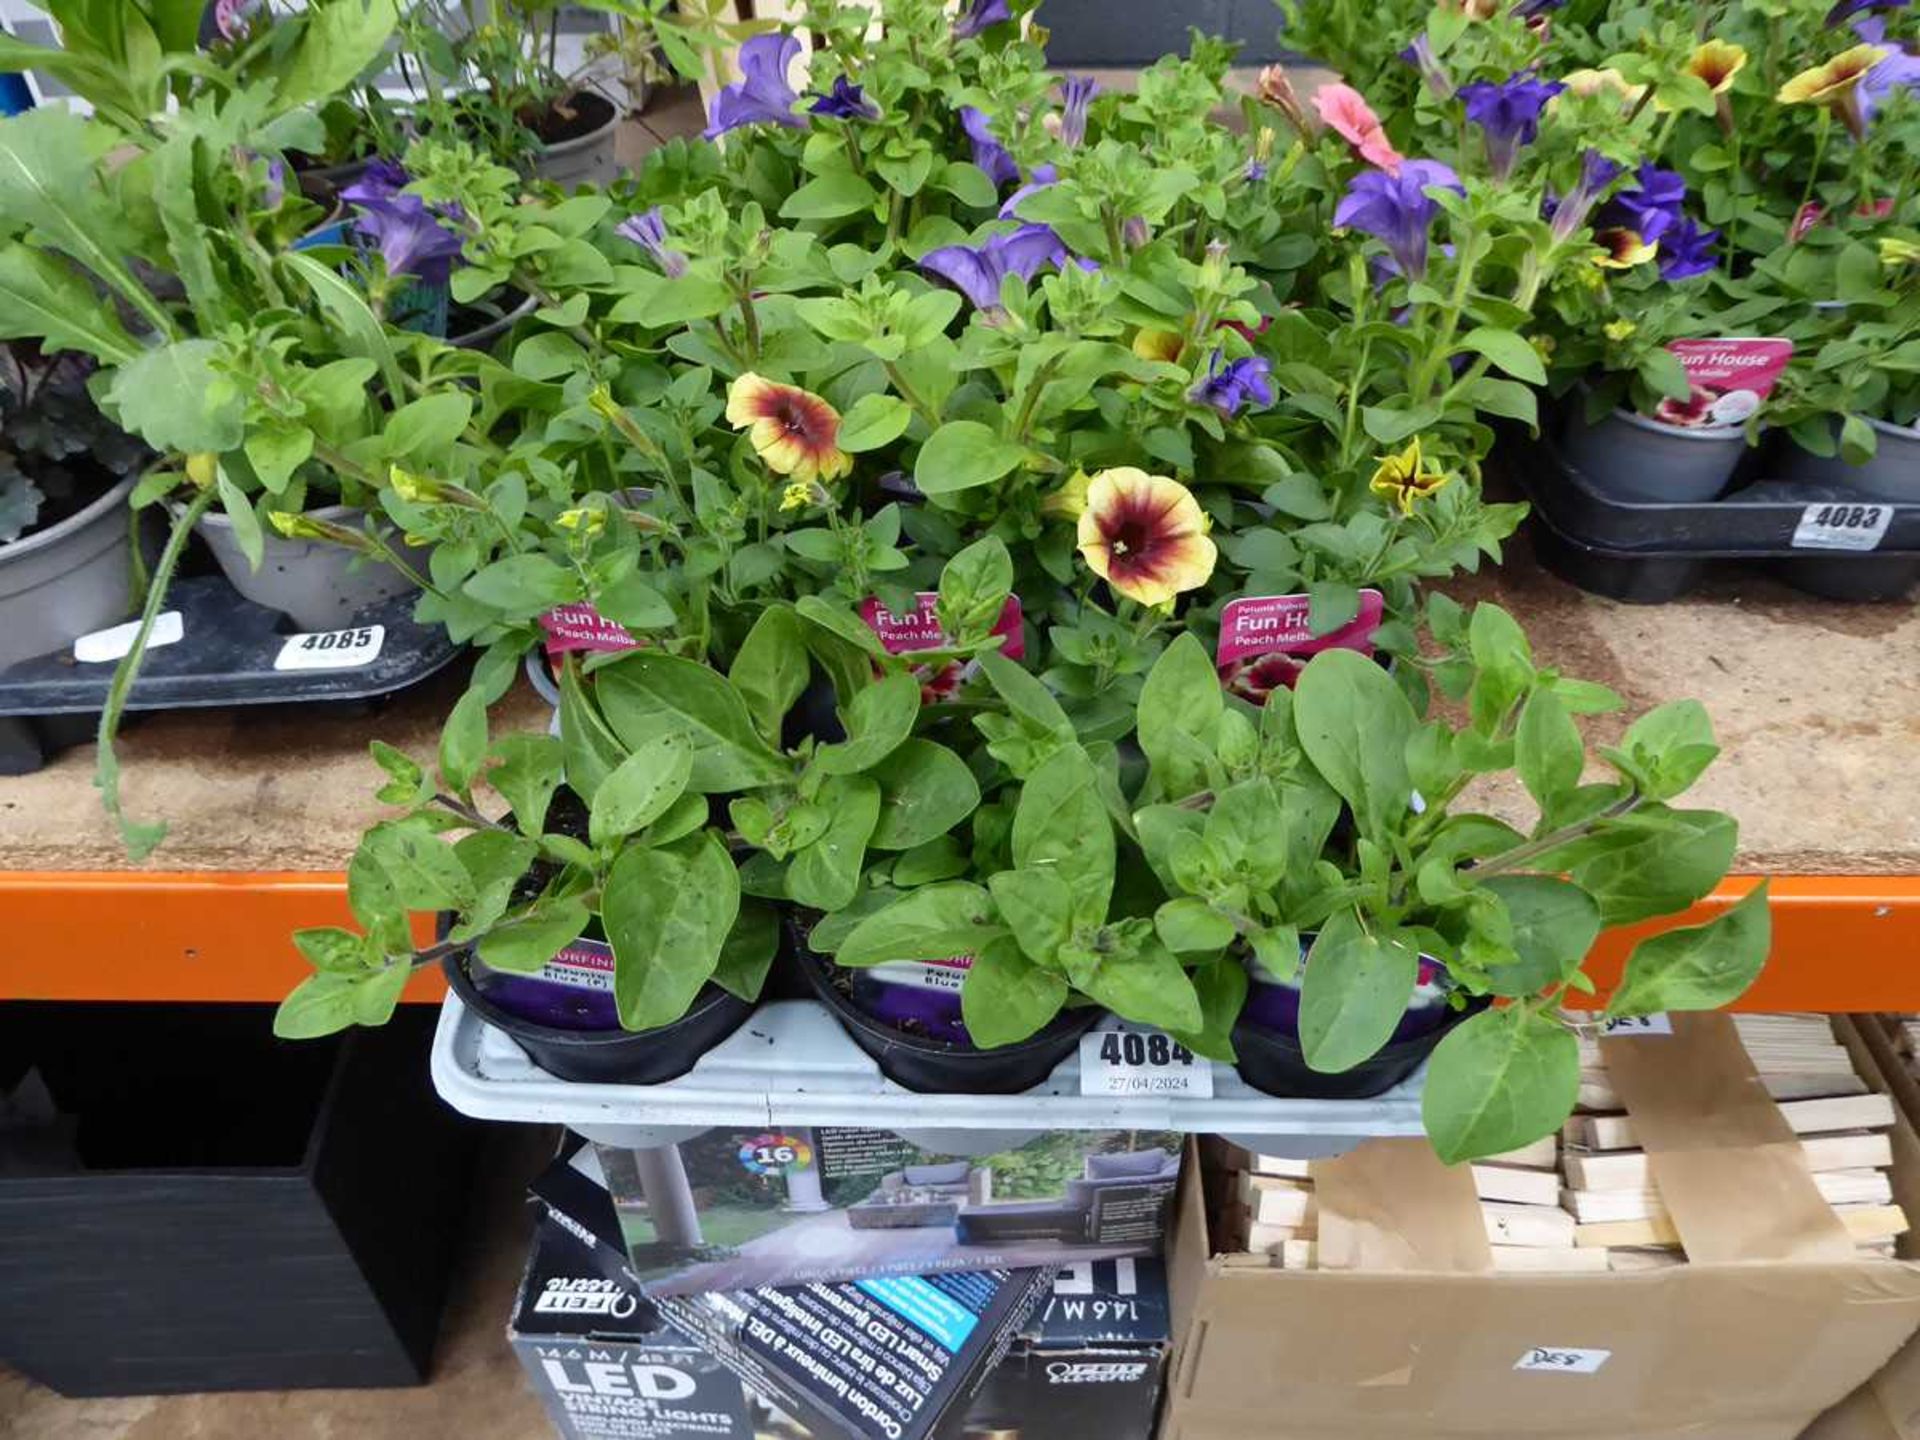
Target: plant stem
{"x": 907, "y": 393}
{"x": 1031, "y": 400}
{"x": 467, "y": 813}
{"x": 141, "y": 838}
{"x": 1821, "y": 129}
{"x": 1566, "y": 834}
{"x": 1450, "y": 322}
{"x": 750, "y": 322}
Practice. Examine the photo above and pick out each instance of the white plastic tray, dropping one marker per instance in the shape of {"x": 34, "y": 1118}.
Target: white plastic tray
{"x": 792, "y": 1065}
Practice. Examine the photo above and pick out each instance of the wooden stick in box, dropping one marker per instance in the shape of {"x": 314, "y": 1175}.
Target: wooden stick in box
{"x": 1863, "y": 1222}
{"x": 1627, "y": 1170}
{"x": 1838, "y": 1187}
{"x": 1805, "y": 1117}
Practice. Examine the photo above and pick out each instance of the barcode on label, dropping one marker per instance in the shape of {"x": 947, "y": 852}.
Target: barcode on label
{"x": 1842, "y": 527}
{"x": 1142, "y": 1062}
{"x": 1567, "y": 1360}
{"x": 332, "y": 649}
{"x": 1640, "y": 1025}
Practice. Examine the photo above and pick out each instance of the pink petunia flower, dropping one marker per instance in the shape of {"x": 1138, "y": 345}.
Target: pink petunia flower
{"x": 1345, "y": 111}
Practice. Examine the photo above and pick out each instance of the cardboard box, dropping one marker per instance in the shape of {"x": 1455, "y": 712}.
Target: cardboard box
{"x": 901, "y": 1358}
{"x": 1887, "y": 1406}
{"x": 1439, "y": 1348}
{"x": 737, "y": 1210}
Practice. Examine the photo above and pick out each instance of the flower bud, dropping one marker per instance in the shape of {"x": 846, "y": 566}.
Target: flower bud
{"x": 203, "y": 468}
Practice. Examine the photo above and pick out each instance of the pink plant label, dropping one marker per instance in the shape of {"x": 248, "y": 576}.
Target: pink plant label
{"x": 581, "y": 627}
{"x": 919, "y": 629}
{"x": 1728, "y": 379}
{"x": 1265, "y": 640}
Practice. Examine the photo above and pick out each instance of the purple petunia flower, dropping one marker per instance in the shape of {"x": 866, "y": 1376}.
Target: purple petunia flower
{"x": 1041, "y": 177}
{"x": 1231, "y": 384}
{"x": 1397, "y": 210}
{"x": 1597, "y": 172}
{"x": 1686, "y": 250}
{"x": 977, "y": 273}
{"x": 980, "y": 14}
{"x": 273, "y": 189}
{"x": 230, "y": 17}
{"x": 1845, "y": 10}
{"x": 1508, "y": 114}
{"x": 1899, "y": 71}
{"x": 409, "y": 236}
{"x": 988, "y": 153}
{"x": 379, "y": 181}
{"x": 1077, "y": 92}
{"x": 1653, "y": 206}
{"x": 649, "y": 231}
{"x": 1420, "y": 55}
{"x": 846, "y": 101}
{"x": 762, "y": 96}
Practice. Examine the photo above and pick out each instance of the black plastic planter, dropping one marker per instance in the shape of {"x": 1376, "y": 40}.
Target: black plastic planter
{"x": 621, "y": 1057}
{"x": 214, "y": 1209}
{"x": 940, "y": 1067}
{"x": 1271, "y": 1061}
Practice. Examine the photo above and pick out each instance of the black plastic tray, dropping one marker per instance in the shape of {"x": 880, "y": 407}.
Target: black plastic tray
{"x": 1650, "y": 554}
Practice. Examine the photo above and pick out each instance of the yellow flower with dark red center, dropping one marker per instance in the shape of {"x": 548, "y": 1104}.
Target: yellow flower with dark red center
{"x": 1145, "y": 535}
{"x": 1714, "y": 63}
{"x": 793, "y": 431}
{"x": 1158, "y": 345}
{"x": 1404, "y": 480}
{"x": 1585, "y": 84}
{"x": 1834, "y": 81}
{"x": 1622, "y": 249}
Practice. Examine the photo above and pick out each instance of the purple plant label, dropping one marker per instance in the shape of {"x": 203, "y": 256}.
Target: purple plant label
{"x": 920, "y": 629}
{"x": 1265, "y": 640}
{"x": 581, "y": 627}
{"x": 572, "y": 991}
{"x": 1727, "y": 379}
{"x": 924, "y": 994}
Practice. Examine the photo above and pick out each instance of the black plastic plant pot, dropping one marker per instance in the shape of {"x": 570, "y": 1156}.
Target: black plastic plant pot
{"x": 942, "y": 1067}
{"x": 619, "y": 1057}
{"x": 1272, "y": 1061}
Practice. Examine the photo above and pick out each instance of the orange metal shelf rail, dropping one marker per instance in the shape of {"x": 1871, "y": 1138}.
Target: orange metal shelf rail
{"x": 1841, "y": 943}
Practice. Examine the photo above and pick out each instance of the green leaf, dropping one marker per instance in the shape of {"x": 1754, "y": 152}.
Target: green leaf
{"x": 1699, "y": 967}
{"x": 1669, "y": 747}
{"x": 40, "y": 298}
{"x": 1354, "y": 723}
{"x": 640, "y": 788}
{"x": 667, "y": 914}
{"x": 1508, "y": 399}
{"x": 633, "y": 602}
{"x": 878, "y": 720}
{"x": 873, "y": 421}
{"x": 429, "y": 424}
{"x": 318, "y": 1005}
{"x": 589, "y": 748}
{"x": 549, "y": 355}
{"x": 523, "y": 586}
{"x": 1548, "y": 750}
{"x": 770, "y": 671}
{"x": 408, "y": 781}
{"x": 1507, "y": 350}
{"x": 357, "y": 330}
{"x": 1666, "y": 871}
{"x": 1357, "y": 987}
{"x": 530, "y": 939}
{"x": 463, "y": 742}
{"x": 1222, "y": 989}
{"x": 829, "y": 196}
{"x": 173, "y": 398}
{"x": 1025, "y": 697}
{"x": 926, "y": 791}
{"x": 275, "y": 452}
{"x": 643, "y": 692}
{"x": 334, "y": 951}
{"x": 1554, "y": 926}
{"x": 1187, "y": 925}
{"x": 418, "y": 868}
{"x": 1181, "y": 698}
{"x": 749, "y": 950}
{"x": 1006, "y": 998}
{"x": 246, "y": 524}
{"x": 669, "y": 304}
{"x": 1499, "y": 1080}
{"x": 1037, "y": 906}
{"x": 968, "y": 184}
{"x": 974, "y": 586}
{"x": 962, "y": 454}
{"x": 339, "y": 41}
{"x": 527, "y": 776}
{"x": 1149, "y": 987}
{"x": 826, "y": 874}
{"x": 934, "y": 923}
{"x": 1061, "y": 822}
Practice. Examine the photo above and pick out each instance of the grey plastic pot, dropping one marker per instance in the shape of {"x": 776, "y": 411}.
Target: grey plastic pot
{"x": 69, "y": 579}
{"x": 321, "y": 586}
{"x": 587, "y": 159}
{"x": 1629, "y": 457}
{"x": 1893, "y": 474}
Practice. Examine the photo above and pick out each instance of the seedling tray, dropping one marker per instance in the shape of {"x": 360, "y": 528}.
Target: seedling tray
{"x": 1824, "y": 540}
{"x": 791, "y": 1064}
{"x": 226, "y": 656}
